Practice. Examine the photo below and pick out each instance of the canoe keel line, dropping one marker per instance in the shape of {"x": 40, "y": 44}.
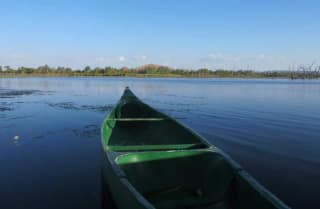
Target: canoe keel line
{"x": 152, "y": 161}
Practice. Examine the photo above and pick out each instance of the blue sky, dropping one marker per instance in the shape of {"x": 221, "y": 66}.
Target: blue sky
{"x": 234, "y": 34}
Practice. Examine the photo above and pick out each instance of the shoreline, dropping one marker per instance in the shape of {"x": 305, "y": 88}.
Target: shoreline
{"x": 152, "y": 76}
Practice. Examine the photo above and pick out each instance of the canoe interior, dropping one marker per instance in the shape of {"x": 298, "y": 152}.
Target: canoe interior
{"x": 133, "y": 125}
{"x": 189, "y": 179}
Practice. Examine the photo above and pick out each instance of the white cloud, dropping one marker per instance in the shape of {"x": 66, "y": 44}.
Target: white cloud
{"x": 215, "y": 56}
{"x": 261, "y": 56}
{"x": 258, "y": 61}
{"x": 140, "y": 58}
{"x": 121, "y": 58}
{"x": 102, "y": 60}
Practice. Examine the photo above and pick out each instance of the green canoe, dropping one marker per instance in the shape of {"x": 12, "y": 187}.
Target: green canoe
{"x": 152, "y": 161}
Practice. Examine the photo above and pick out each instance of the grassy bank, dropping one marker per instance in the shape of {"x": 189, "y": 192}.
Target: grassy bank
{"x": 156, "y": 71}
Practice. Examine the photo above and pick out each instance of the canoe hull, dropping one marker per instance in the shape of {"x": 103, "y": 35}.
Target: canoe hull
{"x": 121, "y": 195}
{"x": 247, "y": 193}
{"x": 148, "y": 172}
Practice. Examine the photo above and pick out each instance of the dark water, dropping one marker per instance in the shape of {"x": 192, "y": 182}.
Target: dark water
{"x": 50, "y": 138}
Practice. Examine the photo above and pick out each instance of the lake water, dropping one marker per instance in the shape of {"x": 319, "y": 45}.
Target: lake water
{"x": 50, "y": 133}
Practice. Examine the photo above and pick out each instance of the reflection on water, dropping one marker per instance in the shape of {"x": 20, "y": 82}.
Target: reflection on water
{"x": 50, "y": 133}
{"x": 107, "y": 201}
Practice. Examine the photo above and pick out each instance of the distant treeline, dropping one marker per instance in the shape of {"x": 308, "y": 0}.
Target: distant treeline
{"x": 152, "y": 70}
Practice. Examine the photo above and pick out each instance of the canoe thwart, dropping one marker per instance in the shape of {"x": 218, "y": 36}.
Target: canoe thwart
{"x": 135, "y": 119}
{"x": 125, "y": 148}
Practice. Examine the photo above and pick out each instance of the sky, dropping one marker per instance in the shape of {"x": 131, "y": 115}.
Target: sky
{"x": 228, "y": 34}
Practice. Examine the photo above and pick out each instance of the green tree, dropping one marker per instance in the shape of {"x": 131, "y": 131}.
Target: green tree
{"x": 44, "y": 69}
{"x": 7, "y": 68}
{"x": 87, "y": 69}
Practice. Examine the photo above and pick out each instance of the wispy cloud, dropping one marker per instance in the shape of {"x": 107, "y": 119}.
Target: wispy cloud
{"x": 121, "y": 58}
{"x": 140, "y": 58}
{"x": 216, "y": 56}
{"x": 260, "y": 61}
{"x": 143, "y": 57}
{"x": 214, "y": 60}
{"x": 102, "y": 60}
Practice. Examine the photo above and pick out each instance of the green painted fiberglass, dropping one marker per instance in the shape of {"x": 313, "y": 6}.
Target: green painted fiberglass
{"x": 152, "y": 161}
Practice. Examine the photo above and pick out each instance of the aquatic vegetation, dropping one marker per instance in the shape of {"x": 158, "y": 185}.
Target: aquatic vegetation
{"x": 88, "y": 131}
{"x": 2, "y": 108}
{"x": 73, "y": 106}
{"x": 11, "y": 93}
{"x": 5, "y": 106}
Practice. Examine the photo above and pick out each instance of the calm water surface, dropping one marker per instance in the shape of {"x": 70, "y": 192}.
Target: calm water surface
{"x": 50, "y": 133}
